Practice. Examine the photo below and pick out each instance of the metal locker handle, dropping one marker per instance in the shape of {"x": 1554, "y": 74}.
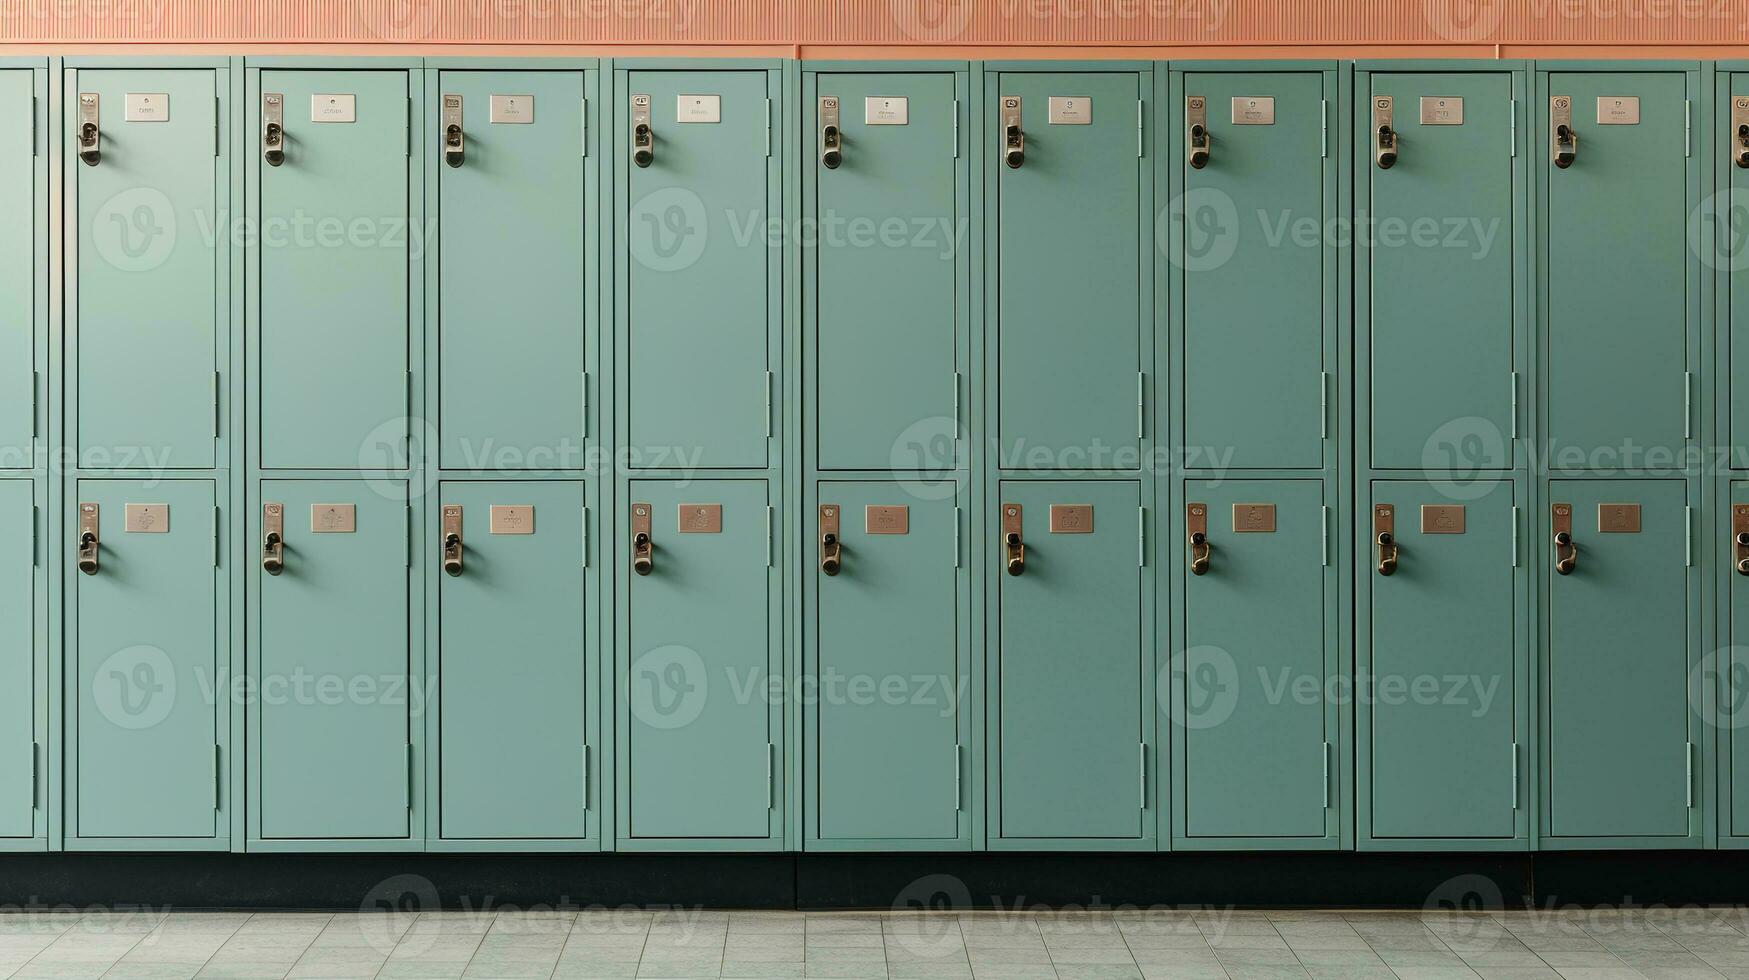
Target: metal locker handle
{"x": 1197, "y": 131}
{"x": 643, "y": 137}
{"x": 88, "y": 538}
{"x": 643, "y": 550}
{"x": 453, "y": 139}
{"x": 1740, "y": 131}
{"x": 273, "y": 128}
{"x": 1384, "y": 535}
{"x": 1565, "y": 139}
{"x": 90, "y": 136}
{"x": 831, "y": 550}
{"x": 273, "y": 538}
{"x": 1196, "y": 524}
{"x": 1740, "y": 537}
{"x": 1741, "y": 154}
{"x": 1566, "y": 552}
{"x": 452, "y": 539}
{"x": 1013, "y": 137}
{"x": 831, "y": 137}
{"x": 1013, "y": 543}
{"x": 1384, "y": 134}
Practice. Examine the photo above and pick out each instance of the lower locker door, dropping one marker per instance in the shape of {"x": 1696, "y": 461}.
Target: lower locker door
{"x": 1439, "y": 664}
{"x": 887, "y": 661}
{"x": 334, "y": 657}
{"x": 1733, "y": 663}
{"x": 511, "y": 661}
{"x": 1257, "y": 721}
{"x": 18, "y": 663}
{"x": 1620, "y": 749}
{"x": 146, "y": 660}
{"x": 1070, "y": 657}
{"x": 702, "y": 754}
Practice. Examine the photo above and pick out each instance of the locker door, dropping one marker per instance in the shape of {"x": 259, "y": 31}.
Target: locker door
{"x": 1255, "y": 322}
{"x": 511, "y": 662}
{"x": 335, "y": 759}
{"x": 698, "y": 294}
{"x": 145, "y": 658}
{"x": 1617, "y": 270}
{"x": 1734, "y": 271}
{"x": 1619, "y": 744}
{"x": 888, "y": 619}
{"x": 1440, "y": 666}
{"x": 1070, "y": 664}
{"x": 700, "y": 659}
{"x": 20, "y": 271}
{"x": 18, "y": 660}
{"x": 1441, "y": 318}
{"x": 885, "y": 268}
{"x": 1733, "y": 664}
{"x": 333, "y": 265}
{"x": 512, "y": 261}
{"x": 1256, "y": 620}
{"x": 1070, "y": 268}
{"x": 145, "y": 306}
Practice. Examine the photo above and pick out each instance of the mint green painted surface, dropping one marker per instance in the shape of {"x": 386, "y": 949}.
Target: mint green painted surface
{"x": 1730, "y": 227}
{"x": 702, "y": 742}
{"x": 145, "y": 659}
{"x": 1618, "y": 667}
{"x": 145, "y": 314}
{"x": 1733, "y": 662}
{"x": 1254, "y": 286}
{"x": 890, "y": 243}
{"x": 511, "y": 667}
{"x": 1255, "y": 740}
{"x": 1439, "y": 662}
{"x": 697, "y": 275}
{"x": 333, "y": 306}
{"x": 18, "y": 658}
{"x": 1069, "y": 654}
{"x": 334, "y": 640}
{"x": 20, "y": 273}
{"x": 1440, "y": 265}
{"x": 1616, "y": 275}
{"x": 512, "y": 273}
{"x": 887, "y": 760}
{"x": 1070, "y": 264}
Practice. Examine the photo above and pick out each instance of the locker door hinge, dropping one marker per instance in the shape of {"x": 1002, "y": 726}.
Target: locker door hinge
{"x": 1326, "y": 763}
{"x": 36, "y": 386}
{"x": 1141, "y": 404}
{"x": 1141, "y": 537}
{"x": 216, "y": 400}
{"x": 770, "y": 775}
{"x": 1140, "y": 131}
{"x": 585, "y": 114}
{"x": 768, "y": 535}
{"x": 1688, "y": 404}
{"x": 33, "y": 127}
{"x": 1688, "y": 127}
{"x": 1324, "y": 128}
{"x": 1324, "y": 530}
{"x": 35, "y": 519}
{"x": 585, "y": 542}
{"x": 407, "y": 794}
{"x": 1513, "y": 381}
{"x": 407, "y": 536}
{"x": 1515, "y": 775}
{"x": 218, "y": 781}
{"x": 1142, "y": 775}
{"x": 407, "y": 127}
{"x": 1514, "y": 535}
{"x": 1688, "y": 766}
{"x": 1512, "y": 127}
{"x": 956, "y": 415}
{"x": 1323, "y": 404}
{"x": 586, "y": 776}
{"x": 217, "y": 119}
{"x": 956, "y": 536}
{"x": 35, "y": 775}
{"x": 958, "y": 772}
{"x": 585, "y": 405}
{"x": 216, "y": 550}
{"x": 956, "y": 129}
{"x": 768, "y": 127}
{"x": 1687, "y": 537}
{"x": 768, "y": 404}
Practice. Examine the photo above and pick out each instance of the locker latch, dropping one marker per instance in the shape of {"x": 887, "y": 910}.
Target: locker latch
{"x": 1565, "y": 141}
{"x": 88, "y": 538}
{"x": 831, "y": 137}
{"x": 1196, "y": 529}
{"x": 1196, "y": 130}
{"x": 831, "y": 549}
{"x": 1740, "y": 537}
{"x": 273, "y": 538}
{"x": 273, "y": 128}
{"x": 642, "y": 548}
{"x": 1013, "y": 545}
{"x": 1384, "y": 135}
{"x": 643, "y": 137}
{"x": 452, "y": 130}
{"x": 1566, "y": 552}
{"x": 452, "y": 539}
{"x": 1384, "y": 519}
{"x": 1740, "y": 131}
{"x": 1013, "y": 137}
{"x": 90, "y": 136}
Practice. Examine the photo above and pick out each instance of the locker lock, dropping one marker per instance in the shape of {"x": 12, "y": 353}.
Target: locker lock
{"x": 1740, "y": 537}
{"x": 831, "y": 549}
{"x": 1740, "y": 131}
{"x": 88, "y": 538}
{"x": 452, "y": 539}
{"x": 643, "y": 137}
{"x": 452, "y": 130}
{"x": 1383, "y": 530}
{"x": 1196, "y": 527}
{"x": 1565, "y": 148}
{"x": 642, "y": 549}
{"x": 89, "y": 136}
{"x": 273, "y": 538}
{"x": 831, "y": 137}
{"x": 1013, "y": 545}
{"x": 273, "y": 128}
{"x": 1566, "y": 552}
{"x": 1196, "y": 131}
{"x": 1384, "y": 134}
{"x": 1013, "y": 137}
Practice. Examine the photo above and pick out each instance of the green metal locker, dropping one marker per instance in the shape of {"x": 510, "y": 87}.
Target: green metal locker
{"x": 22, "y": 269}
{"x": 514, "y": 268}
{"x": 513, "y": 671}
{"x": 21, "y": 668}
{"x": 148, "y": 232}
{"x": 1731, "y": 663}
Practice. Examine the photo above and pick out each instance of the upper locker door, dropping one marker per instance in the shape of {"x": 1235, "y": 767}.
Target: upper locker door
{"x": 22, "y": 272}
{"x": 885, "y": 310}
{"x": 1437, "y": 295}
{"x": 1071, "y": 264}
{"x": 144, "y": 305}
{"x": 333, "y": 304}
{"x": 1255, "y": 297}
{"x": 699, "y": 296}
{"x": 1618, "y": 272}
{"x": 512, "y": 297}
{"x": 1733, "y": 266}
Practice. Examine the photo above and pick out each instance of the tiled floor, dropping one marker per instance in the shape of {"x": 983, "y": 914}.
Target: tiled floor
{"x": 1666, "y": 944}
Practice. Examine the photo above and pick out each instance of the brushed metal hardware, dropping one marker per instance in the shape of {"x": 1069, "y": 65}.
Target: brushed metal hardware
{"x": 831, "y": 550}
{"x": 453, "y": 138}
{"x": 510, "y": 519}
{"x": 1253, "y": 110}
{"x": 1740, "y": 537}
{"x": 333, "y": 518}
{"x": 1442, "y": 110}
{"x": 1071, "y": 519}
{"x": 452, "y": 539}
{"x": 1442, "y": 518}
{"x": 1384, "y": 136}
{"x": 1618, "y": 110}
{"x": 1013, "y": 137}
{"x": 88, "y": 538}
{"x": 1384, "y": 519}
{"x": 643, "y": 551}
{"x": 1013, "y": 544}
{"x": 886, "y": 519}
{"x": 1196, "y": 527}
{"x": 1740, "y": 131}
{"x": 517, "y": 110}
{"x": 145, "y": 519}
{"x": 1566, "y": 553}
{"x": 273, "y": 128}
{"x": 1564, "y": 141}
{"x": 886, "y": 110}
{"x": 700, "y": 519}
{"x": 273, "y": 538}
{"x": 1069, "y": 110}
{"x": 1254, "y": 518}
{"x": 831, "y": 137}
{"x": 90, "y": 136}
{"x": 1618, "y": 518}
{"x": 1196, "y": 131}
{"x": 643, "y": 137}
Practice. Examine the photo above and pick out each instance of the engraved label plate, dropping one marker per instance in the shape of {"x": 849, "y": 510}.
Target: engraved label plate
{"x": 698, "y": 108}
{"x": 1254, "y": 517}
{"x": 146, "y": 518}
{"x": 1069, "y": 110}
{"x": 1618, "y": 518}
{"x": 1442, "y": 518}
{"x": 512, "y": 109}
{"x": 333, "y": 518}
{"x": 1254, "y": 110}
{"x": 886, "y": 110}
{"x": 1618, "y": 110}
{"x": 893, "y": 519}
{"x": 1442, "y": 110}
{"x": 146, "y": 107}
{"x": 701, "y": 518}
{"x": 333, "y": 108}
{"x": 512, "y": 519}
{"x": 1071, "y": 518}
